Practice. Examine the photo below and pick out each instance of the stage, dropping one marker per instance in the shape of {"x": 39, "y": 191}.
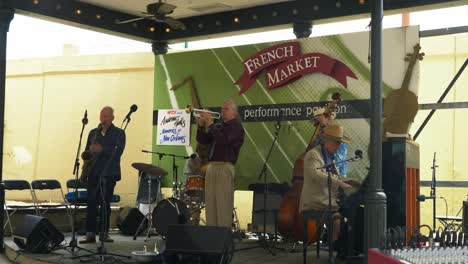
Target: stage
{"x": 124, "y": 245}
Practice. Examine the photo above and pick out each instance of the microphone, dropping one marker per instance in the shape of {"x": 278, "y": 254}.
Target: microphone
{"x": 278, "y": 123}
{"x": 358, "y": 154}
{"x": 133, "y": 108}
{"x": 422, "y": 197}
{"x": 85, "y": 118}
{"x": 193, "y": 156}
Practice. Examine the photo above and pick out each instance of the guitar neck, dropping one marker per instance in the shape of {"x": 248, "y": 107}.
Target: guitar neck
{"x": 409, "y": 72}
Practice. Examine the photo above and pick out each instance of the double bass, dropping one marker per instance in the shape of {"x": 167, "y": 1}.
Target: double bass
{"x": 290, "y": 222}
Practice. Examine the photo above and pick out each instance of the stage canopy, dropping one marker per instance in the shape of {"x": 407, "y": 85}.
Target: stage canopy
{"x": 203, "y": 18}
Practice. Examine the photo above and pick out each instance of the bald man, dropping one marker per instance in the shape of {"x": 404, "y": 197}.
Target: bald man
{"x": 107, "y": 144}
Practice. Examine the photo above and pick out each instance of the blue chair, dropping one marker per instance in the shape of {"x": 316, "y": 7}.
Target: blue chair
{"x": 82, "y": 194}
{"x": 17, "y": 185}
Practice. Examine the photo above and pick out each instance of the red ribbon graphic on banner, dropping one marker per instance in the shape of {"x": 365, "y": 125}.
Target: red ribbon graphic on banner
{"x": 292, "y": 66}
{"x": 264, "y": 59}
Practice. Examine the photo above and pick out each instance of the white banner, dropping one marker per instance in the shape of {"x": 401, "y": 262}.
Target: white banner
{"x": 173, "y": 127}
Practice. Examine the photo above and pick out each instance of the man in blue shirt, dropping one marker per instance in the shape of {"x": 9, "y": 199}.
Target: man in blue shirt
{"x": 107, "y": 144}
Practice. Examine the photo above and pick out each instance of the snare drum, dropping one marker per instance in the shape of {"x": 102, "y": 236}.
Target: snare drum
{"x": 169, "y": 212}
{"x": 195, "y": 186}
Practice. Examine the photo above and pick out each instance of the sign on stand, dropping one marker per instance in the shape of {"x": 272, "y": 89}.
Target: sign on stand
{"x": 173, "y": 127}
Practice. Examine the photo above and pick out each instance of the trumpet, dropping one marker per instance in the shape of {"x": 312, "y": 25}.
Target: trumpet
{"x": 196, "y": 112}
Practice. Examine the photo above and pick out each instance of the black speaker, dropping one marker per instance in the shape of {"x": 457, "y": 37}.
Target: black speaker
{"x": 211, "y": 241}
{"x": 129, "y": 220}
{"x": 36, "y": 234}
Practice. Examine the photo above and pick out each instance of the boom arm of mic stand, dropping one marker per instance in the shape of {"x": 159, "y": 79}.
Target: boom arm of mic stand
{"x": 326, "y": 166}
{"x": 165, "y": 154}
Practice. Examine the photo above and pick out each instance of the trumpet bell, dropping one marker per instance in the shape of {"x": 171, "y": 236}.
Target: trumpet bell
{"x": 188, "y": 109}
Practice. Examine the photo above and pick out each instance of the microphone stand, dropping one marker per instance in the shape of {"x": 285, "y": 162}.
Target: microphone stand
{"x": 263, "y": 173}
{"x": 328, "y": 168}
{"x": 101, "y": 250}
{"x": 76, "y": 169}
{"x": 433, "y": 191}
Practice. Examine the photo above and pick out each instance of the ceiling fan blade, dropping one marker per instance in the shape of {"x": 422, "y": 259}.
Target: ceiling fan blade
{"x": 167, "y": 8}
{"x": 133, "y": 20}
{"x": 174, "y": 23}
{"x": 160, "y": 8}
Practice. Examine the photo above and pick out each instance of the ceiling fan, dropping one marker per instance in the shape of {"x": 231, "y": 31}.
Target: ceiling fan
{"x": 158, "y": 11}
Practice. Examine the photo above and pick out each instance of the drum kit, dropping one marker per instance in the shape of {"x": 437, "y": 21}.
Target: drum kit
{"x": 183, "y": 207}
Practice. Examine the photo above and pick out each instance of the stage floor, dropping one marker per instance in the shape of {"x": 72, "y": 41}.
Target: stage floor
{"x": 124, "y": 245}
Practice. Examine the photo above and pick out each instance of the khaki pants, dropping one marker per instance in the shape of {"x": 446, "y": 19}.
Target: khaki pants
{"x": 219, "y": 194}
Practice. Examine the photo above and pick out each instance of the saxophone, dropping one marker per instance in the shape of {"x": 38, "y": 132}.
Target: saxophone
{"x": 87, "y": 157}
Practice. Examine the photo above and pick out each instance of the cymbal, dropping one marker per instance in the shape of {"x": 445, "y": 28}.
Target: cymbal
{"x": 150, "y": 169}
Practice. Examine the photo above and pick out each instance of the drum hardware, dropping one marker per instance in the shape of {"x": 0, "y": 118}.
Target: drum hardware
{"x": 173, "y": 210}
{"x": 195, "y": 187}
{"x": 175, "y": 183}
{"x": 168, "y": 212}
{"x": 149, "y": 169}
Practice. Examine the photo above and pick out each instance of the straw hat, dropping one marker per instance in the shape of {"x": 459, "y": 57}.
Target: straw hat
{"x": 335, "y": 132}
{"x": 320, "y": 111}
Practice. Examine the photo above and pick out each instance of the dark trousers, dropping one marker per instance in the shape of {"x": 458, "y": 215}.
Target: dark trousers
{"x": 95, "y": 200}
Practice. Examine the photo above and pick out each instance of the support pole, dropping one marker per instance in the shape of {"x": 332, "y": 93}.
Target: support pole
{"x": 6, "y": 15}
{"x": 375, "y": 213}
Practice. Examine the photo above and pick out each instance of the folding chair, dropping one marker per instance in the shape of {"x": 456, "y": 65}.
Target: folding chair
{"x": 49, "y": 185}
{"x": 17, "y": 185}
{"x": 82, "y": 196}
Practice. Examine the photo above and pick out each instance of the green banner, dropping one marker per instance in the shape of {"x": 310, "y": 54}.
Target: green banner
{"x": 215, "y": 71}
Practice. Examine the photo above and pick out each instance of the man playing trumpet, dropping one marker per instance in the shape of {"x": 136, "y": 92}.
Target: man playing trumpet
{"x": 225, "y": 141}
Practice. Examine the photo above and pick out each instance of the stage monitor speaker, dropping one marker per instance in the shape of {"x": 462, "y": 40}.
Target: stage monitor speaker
{"x": 36, "y": 234}
{"x": 212, "y": 241}
{"x": 129, "y": 221}
{"x": 465, "y": 216}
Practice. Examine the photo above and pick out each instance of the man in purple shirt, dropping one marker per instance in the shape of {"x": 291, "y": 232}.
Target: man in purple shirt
{"x": 225, "y": 141}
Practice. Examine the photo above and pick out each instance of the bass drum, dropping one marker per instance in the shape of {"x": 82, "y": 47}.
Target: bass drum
{"x": 169, "y": 212}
